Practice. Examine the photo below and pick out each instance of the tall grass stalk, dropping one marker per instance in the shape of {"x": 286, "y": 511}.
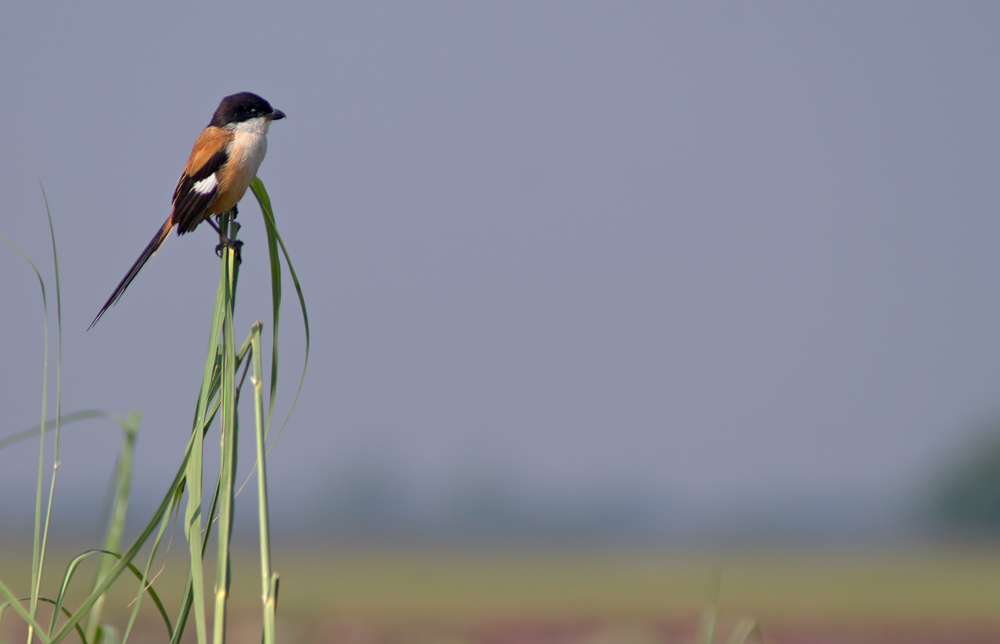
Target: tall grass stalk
{"x": 220, "y": 396}
{"x": 269, "y": 580}
{"x": 41, "y": 532}
{"x": 119, "y": 512}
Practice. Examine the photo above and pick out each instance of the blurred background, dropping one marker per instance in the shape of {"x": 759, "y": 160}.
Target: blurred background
{"x": 580, "y": 276}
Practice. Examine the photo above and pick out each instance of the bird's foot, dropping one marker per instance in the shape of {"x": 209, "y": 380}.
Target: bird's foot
{"x": 234, "y": 244}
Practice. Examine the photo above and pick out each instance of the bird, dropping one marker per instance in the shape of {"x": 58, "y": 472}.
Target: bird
{"x": 224, "y": 160}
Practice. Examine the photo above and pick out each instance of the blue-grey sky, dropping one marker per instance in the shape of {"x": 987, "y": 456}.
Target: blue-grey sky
{"x": 721, "y": 254}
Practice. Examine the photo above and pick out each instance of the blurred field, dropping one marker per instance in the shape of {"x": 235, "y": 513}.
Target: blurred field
{"x": 532, "y": 595}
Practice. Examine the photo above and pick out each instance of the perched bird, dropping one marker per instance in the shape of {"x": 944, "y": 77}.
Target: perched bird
{"x": 223, "y": 162}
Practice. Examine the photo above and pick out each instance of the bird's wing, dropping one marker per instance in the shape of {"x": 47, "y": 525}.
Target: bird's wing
{"x": 199, "y": 184}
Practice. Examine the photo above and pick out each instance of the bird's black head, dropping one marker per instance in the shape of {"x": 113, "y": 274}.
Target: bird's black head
{"x": 243, "y": 107}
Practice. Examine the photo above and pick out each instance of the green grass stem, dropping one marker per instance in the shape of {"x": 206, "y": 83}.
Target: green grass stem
{"x": 268, "y": 578}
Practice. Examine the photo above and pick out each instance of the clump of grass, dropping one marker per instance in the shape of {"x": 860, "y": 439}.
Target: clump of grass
{"x": 219, "y": 396}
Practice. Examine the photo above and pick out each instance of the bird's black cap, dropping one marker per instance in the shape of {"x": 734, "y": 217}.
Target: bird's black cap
{"x": 243, "y": 107}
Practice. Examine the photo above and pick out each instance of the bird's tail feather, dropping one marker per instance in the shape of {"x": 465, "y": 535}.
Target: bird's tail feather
{"x": 150, "y": 250}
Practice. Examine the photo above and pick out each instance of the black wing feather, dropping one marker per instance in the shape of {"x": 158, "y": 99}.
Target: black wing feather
{"x": 189, "y": 205}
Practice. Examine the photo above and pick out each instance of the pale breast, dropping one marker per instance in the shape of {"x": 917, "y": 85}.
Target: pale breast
{"x": 246, "y": 152}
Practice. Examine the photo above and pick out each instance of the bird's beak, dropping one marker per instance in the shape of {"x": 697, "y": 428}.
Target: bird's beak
{"x": 277, "y": 114}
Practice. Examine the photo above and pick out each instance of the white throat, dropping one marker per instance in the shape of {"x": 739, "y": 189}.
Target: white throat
{"x": 256, "y": 125}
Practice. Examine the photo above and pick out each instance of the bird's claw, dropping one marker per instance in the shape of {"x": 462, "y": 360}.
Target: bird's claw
{"x": 236, "y": 245}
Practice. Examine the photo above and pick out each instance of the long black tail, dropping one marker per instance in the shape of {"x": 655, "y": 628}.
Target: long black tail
{"x": 150, "y": 250}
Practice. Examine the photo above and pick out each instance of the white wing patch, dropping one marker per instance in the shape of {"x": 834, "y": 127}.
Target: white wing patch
{"x": 207, "y": 185}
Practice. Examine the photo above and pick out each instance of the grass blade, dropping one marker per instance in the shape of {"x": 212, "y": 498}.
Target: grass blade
{"x": 229, "y": 437}
{"x": 116, "y": 525}
{"x": 65, "y": 420}
{"x": 273, "y": 242}
{"x": 268, "y": 579}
